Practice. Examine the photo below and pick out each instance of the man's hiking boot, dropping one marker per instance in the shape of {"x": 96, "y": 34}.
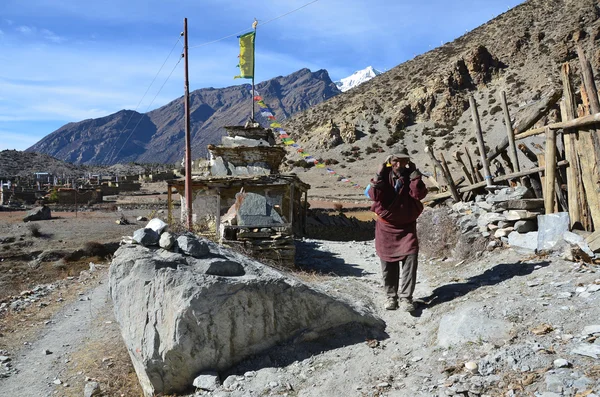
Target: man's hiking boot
{"x": 407, "y": 305}
{"x": 391, "y": 303}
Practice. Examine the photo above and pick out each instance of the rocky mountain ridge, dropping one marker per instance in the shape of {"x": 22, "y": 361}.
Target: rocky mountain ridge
{"x": 425, "y": 101}
{"x": 158, "y": 136}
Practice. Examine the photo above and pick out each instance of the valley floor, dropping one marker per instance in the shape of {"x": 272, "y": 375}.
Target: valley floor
{"x": 522, "y": 324}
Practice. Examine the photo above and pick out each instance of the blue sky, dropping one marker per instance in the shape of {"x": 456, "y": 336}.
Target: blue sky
{"x": 65, "y": 61}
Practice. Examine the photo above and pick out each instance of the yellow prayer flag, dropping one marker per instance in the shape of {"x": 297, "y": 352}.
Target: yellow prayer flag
{"x": 246, "y": 56}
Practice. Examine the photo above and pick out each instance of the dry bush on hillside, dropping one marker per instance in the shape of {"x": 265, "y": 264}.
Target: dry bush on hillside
{"x": 94, "y": 248}
{"x": 34, "y": 229}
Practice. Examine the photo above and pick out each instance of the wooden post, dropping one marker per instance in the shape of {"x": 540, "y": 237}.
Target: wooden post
{"x": 218, "y": 217}
{"x": 512, "y": 149}
{"x": 480, "y": 142}
{"x": 446, "y": 174}
{"x": 573, "y": 185}
{"x": 575, "y": 191}
{"x": 169, "y": 205}
{"x": 592, "y": 93}
{"x": 550, "y": 170}
{"x": 291, "y": 220}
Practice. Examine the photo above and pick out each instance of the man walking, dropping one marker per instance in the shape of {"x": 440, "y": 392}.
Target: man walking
{"x": 396, "y": 192}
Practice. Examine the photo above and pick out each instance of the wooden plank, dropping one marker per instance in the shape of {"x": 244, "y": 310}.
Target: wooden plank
{"x": 583, "y": 121}
{"x": 593, "y": 241}
{"x": 480, "y": 142}
{"x": 550, "y": 171}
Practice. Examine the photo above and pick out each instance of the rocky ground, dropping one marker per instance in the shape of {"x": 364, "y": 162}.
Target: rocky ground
{"x": 499, "y": 324}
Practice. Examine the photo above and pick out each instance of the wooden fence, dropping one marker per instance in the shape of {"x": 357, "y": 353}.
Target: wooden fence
{"x": 567, "y": 178}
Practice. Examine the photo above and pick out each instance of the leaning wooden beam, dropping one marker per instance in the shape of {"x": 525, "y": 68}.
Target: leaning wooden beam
{"x": 550, "y": 170}
{"x": 541, "y": 109}
{"x": 508, "y": 162}
{"x": 458, "y": 159}
{"x": 480, "y": 142}
{"x": 528, "y": 153}
{"x": 510, "y": 134}
{"x": 476, "y": 175}
{"x": 447, "y": 176}
{"x": 496, "y": 179}
{"x": 578, "y": 122}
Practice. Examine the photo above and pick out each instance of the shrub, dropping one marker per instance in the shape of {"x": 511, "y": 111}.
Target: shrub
{"x": 94, "y": 248}
{"x": 34, "y": 229}
{"x": 338, "y": 206}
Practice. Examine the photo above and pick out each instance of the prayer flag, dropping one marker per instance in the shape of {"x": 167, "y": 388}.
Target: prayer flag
{"x": 246, "y": 56}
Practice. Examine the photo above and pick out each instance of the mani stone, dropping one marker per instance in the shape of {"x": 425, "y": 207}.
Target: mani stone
{"x": 177, "y": 321}
{"x": 255, "y": 210}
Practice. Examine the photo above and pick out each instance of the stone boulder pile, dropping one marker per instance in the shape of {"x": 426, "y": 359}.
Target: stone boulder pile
{"x": 509, "y": 216}
{"x": 187, "y": 307}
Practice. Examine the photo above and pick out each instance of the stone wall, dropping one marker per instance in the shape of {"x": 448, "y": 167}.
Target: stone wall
{"x": 72, "y": 196}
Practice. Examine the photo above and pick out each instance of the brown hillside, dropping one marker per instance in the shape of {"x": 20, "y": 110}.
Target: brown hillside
{"x": 425, "y": 100}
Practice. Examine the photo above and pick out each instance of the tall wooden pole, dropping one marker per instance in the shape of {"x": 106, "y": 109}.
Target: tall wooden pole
{"x": 574, "y": 184}
{"x": 480, "y": 143}
{"x": 510, "y": 134}
{"x": 550, "y": 191}
{"x": 188, "y": 145}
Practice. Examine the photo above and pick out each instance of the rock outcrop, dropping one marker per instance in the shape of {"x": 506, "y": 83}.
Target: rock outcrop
{"x": 182, "y": 315}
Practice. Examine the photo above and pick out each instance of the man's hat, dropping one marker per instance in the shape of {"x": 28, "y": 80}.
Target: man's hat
{"x": 400, "y": 153}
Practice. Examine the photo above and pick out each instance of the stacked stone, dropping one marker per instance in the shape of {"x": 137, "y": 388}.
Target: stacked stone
{"x": 510, "y": 216}
{"x": 499, "y": 214}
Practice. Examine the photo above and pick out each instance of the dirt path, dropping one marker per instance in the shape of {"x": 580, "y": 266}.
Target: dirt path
{"x": 480, "y": 312}
{"x": 41, "y": 363}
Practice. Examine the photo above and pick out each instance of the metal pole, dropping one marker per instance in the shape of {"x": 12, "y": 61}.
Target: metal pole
{"x": 188, "y": 146}
{"x": 253, "y": 67}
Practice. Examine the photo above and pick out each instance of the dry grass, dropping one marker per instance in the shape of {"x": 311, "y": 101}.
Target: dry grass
{"x": 104, "y": 360}
{"x": 17, "y": 327}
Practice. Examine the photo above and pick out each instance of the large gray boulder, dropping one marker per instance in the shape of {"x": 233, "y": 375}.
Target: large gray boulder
{"x": 181, "y": 316}
{"x": 38, "y": 214}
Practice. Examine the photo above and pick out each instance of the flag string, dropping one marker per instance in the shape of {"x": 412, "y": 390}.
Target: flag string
{"x": 285, "y": 138}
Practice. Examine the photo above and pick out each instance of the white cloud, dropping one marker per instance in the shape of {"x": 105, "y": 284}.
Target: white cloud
{"x": 51, "y": 36}
{"x": 26, "y": 30}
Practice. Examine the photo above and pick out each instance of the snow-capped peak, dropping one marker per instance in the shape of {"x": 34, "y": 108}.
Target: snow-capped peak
{"x": 357, "y": 78}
